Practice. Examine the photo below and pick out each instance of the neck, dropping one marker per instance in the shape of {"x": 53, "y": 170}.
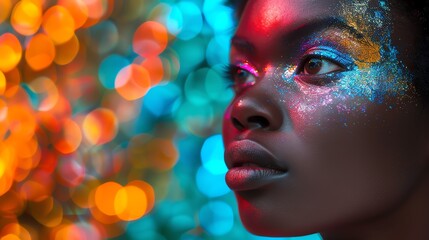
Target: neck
{"x": 409, "y": 220}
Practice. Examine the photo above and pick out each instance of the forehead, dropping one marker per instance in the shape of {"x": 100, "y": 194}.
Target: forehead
{"x": 262, "y": 16}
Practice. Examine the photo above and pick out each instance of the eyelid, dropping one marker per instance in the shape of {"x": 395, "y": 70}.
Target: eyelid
{"x": 330, "y": 54}
{"x": 248, "y": 67}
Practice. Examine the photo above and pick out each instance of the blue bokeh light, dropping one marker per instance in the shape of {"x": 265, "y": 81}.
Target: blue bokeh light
{"x": 109, "y": 68}
{"x": 211, "y": 185}
{"x": 162, "y": 100}
{"x": 212, "y": 155}
{"x": 216, "y": 217}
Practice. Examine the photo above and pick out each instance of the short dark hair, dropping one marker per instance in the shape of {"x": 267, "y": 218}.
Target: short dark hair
{"x": 418, "y": 10}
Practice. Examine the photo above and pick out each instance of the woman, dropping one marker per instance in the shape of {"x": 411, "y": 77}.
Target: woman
{"x": 328, "y": 131}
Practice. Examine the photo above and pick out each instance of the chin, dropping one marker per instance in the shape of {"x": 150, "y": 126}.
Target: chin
{"x": 264, "y": 222}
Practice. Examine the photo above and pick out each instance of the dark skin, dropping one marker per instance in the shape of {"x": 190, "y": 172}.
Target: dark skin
{"x": 308, "y": 148}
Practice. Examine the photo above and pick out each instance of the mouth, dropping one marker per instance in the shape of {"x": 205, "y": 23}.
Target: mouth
{"x": 251, "y": 166}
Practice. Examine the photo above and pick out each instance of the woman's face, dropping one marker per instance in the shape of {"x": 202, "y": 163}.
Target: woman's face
{"x": 324, "y": 130}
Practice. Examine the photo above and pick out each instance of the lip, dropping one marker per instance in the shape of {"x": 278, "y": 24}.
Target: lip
{"x": 251, "y": 166}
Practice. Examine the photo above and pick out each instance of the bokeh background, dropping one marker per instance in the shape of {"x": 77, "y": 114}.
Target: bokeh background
{"x": 110, "y": 120}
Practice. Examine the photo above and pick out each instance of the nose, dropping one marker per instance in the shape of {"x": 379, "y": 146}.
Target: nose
{"x": 256, "y": 111}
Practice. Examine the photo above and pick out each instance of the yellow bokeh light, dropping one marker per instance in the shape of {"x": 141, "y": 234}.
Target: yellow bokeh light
{"x": 11, "y": 51}
{"x": 149, "y": 192}
{"x": 58, "y": 24}
{"x": 26, "y": 17}
{"x": 100, "y": 126}
{"x": 40, "y": 52}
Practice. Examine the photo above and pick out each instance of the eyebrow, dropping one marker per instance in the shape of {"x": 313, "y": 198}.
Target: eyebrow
{"x": 303, "y": 30}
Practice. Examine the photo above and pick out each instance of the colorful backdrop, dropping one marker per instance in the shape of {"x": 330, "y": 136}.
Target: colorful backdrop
{"x": 110, "y": 120}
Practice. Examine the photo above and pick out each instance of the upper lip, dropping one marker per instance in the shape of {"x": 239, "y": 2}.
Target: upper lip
{"x": 243, "y": 152}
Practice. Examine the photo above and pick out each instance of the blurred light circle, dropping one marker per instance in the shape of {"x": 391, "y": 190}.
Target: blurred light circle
{"x": 185, "y": 20}
{"x": 191, "y": 53}
{"x": 218, "y": 16}
{"x": 70, "y": 137}
{"x": 71, "y": 172}
{"x": 149, "y": 193}
{"x": 2, "y": 83}
{"x": 205, "y": 180}
{"x": 217, "y": 87}
{"x": 162, "y": 100}
{"x": 155, "y": 68}
{"x": 196, "y": 119}
{"x": 76, "y": 231}
{"x": 150, "y": 39}
{"x": 104, "y": 197}
{"x": 26, "y": 17}
{"x": 174, "y": 20}
{"x": 67, "y": 52}
{"x": 46, "y": 93}
{"x": 5, "y": 6}
{"x": 217, "y": 218}
{"x": 130, "y": 203}
{"x": 58, "y": 24}
{"x": 104, "y": 37}
{"x": 11, "y": 51}
{"x": 40, "y": 52}
{"x": 100, "y": 126}
{"x": 132, "y": 82}
{"x": 212, "y": 155}
{"x": 218, "y": 50}
{"x": 97, "y": 9}
{"x": 78, "y": 10}
{"x": 109, "y": 69}
{"x": 195, "y": 90}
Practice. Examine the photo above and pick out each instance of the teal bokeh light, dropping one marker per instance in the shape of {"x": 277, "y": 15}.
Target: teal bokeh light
{"x": 217, "y": 218}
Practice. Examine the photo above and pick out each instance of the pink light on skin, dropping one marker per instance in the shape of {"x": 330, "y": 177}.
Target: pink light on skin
{"x": 248, "y": 67}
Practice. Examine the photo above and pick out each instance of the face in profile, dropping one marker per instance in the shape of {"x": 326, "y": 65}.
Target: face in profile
{"x": 326, "y": 130}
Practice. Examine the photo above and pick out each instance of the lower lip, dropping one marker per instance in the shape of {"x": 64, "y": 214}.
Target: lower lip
{"x": 250, "y": 178}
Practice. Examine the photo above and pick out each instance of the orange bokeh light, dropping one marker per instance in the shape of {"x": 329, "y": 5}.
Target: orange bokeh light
{"x": 149, "y": 192}
{"x": 130, "y": 203}
{"x": 2, "y": 83}
{"x": 150, "y": 39}
{"x": 104, "y": 197}
{"x": 58, "y": 24}
{"x": 40, "y": 52}
{"x": 100, "y": 126}
{"x": 70, "y": 137}
{"x": 78, "y": 10}
{"x": 26, "y": 17}
{"x": 48, "y": 92}
{"x": 11, "y": 52}
{"x": 155, "y": 68}
{"x": 67, "y": 52}
{"x": 132, "y": 82}
{"x": 5, "y": 6}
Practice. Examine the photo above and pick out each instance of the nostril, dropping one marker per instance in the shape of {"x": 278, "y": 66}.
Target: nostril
{"x": 257, "y": 122}
{"x": 237, "y": 124}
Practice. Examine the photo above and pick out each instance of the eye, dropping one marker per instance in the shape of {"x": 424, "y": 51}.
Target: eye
{"x": 317, "y": 65}
{"x": 240, "y": 77}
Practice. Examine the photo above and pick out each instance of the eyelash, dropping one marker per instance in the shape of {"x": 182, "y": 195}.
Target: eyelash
{"x": 305, "y": 59}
